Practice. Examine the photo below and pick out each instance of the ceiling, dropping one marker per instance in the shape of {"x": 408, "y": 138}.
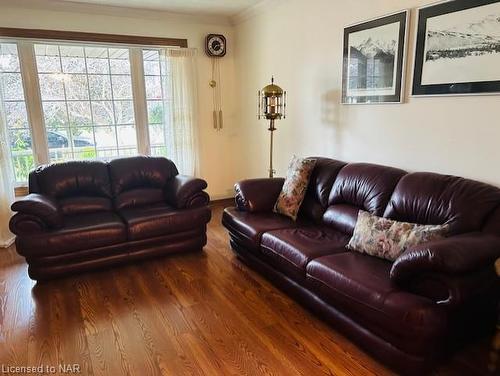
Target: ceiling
{"x": 201, "y": 7}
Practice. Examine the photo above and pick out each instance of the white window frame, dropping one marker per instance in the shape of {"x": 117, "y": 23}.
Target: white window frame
{"x": 139, "y": 98}
{"x": 33, "y": 100}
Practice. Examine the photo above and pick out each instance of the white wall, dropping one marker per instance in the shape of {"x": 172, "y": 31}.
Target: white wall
{"x": 300, "y": 42}
{"x": 216, "y": 165}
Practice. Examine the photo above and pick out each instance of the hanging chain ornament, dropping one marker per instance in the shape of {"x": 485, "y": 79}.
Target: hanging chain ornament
{"x": 215, "y": 84}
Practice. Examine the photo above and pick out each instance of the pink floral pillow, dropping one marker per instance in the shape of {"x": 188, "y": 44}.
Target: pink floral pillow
{"x": 385, "y": 238}
{"x": 295, "y": 187}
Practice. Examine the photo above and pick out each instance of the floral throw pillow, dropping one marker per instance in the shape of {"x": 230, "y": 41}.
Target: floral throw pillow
{"x": 385, "y": 238}
{"x": 295, "y": 187}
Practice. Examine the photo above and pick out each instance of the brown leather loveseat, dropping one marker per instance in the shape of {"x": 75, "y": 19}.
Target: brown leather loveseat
{"x": 85, "y": 215}
{"x": 406, "y": 313}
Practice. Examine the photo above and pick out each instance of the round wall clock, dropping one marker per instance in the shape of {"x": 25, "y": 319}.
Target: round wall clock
{"x": 215, "y": 45}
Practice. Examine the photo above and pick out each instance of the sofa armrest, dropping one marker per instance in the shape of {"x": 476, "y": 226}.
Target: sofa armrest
{"x": 258, "y": 195}
{"x": 26, "y": 225}
{"x": 455, "y": 255}
{"x": 186, "y": 192}
{"x": 454, "y": 290}
{"x": 36, "y": 208}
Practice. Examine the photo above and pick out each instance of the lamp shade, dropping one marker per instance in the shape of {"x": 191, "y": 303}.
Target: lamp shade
{"x": 272, "y": 102}
{"x": 272, "y": 90}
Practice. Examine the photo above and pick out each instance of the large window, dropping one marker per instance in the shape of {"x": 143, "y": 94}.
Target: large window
{"x": 90, "y": 99}
{"x": 87, "y": 102}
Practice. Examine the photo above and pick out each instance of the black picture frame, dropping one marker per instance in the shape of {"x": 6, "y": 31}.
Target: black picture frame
{"x": 398, "y": 66}
{"x": 422, "y": 84}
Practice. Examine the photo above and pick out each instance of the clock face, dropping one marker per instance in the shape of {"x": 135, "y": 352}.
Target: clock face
{"x": 216, "y": 45}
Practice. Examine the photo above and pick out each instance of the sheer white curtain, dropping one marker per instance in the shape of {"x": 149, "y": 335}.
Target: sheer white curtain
{"x": 6, "y": 180}
{"x": 181, "y": 126}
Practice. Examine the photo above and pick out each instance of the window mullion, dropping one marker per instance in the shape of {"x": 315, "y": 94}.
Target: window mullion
{"x": 140, "y": 104}
{"x": 90, "y": 102}
{"x": 33, "y": 101}
{"x": 67, "y": 124}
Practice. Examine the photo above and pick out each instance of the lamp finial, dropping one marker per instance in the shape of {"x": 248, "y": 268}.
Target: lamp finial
{"x": 272, "y": 79}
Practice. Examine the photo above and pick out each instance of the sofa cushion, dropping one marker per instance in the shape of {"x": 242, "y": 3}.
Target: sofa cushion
{"x": 140, "y": 172}
{"x": 249, "y": 227}
{"x": 290, "y": 250}
{"x": 138, "y": 181}
{"x": 158, "y": 220}
{"x": 359, "y": 186}
{"x": 434, "y": 199}
{"x": 320, "y": 184}
{"x": 84, "y": 204}
{"x": 140, "y": 197}
{"x": 385, "y": 238}
{"x": 343, "y": 216}
{"x": 359, "y": 285}
{"x": 75, "y": 178}
{"x": 80, "y": 232}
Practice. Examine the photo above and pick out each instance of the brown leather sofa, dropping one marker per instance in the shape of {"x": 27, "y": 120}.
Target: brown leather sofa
{"x": 85, "y": 215}
{"x": 408, "y": 313}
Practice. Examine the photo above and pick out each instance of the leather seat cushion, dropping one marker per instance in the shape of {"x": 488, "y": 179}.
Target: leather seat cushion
{"x": 80, "y": 232}
{"x": 139, "y": 197}
{"x": 290, "y": 250}
{"x": 249, "y": 227}
{"x": 359, "y": 285}
{"x": 84, "y": 204}
{"x": 158, "y": 220}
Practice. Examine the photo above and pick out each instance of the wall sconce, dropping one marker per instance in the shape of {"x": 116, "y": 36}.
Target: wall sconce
{"x": 272, "y": 106}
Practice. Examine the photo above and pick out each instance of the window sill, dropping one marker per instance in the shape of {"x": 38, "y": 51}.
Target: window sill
{"x": 21, "y": 191}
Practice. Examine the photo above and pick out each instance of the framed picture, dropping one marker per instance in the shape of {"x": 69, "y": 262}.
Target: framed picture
{"x": 458, "y": 48}
{"x": 374, "y": 60}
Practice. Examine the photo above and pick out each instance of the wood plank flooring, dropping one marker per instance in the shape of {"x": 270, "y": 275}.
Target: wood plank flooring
{"x": 197, "y": 314}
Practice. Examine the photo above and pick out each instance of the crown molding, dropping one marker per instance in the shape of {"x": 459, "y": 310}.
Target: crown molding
{"x": 255, "y": 10}
{"x": 107, "y": 10}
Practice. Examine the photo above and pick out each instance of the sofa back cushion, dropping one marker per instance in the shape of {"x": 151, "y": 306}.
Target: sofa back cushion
{"x": 434, "y": 199}
{"x": 78, "y": 186}
{"x": 84, "y": 204}
{"x": 138, "y": 181}
{"x": 320, "y": 184}
{"x": 359, "y": 186}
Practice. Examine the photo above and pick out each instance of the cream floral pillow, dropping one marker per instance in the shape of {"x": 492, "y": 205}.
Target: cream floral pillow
{"x": 295, "y": 187}
{"x": 385, "y": 238}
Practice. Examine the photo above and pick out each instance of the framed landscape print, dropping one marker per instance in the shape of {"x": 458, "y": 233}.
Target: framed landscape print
{"x": 374, "y": 60}
{"x": 458, "y": 48}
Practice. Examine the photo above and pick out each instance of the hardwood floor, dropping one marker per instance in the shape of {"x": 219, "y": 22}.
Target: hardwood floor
{"x": 186, "y": 314}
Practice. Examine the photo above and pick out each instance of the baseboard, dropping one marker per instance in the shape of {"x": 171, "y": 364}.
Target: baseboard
{"x": 8, "y": 243}
{"x": 222, "y": 196}
{"x": 222, "y": 202}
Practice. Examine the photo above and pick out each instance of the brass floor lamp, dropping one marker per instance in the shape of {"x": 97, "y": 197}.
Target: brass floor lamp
{"x": 272, "y": 106}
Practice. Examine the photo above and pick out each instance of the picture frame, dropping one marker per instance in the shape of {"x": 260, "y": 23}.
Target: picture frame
{"x": 457, "y": 49}
{"x": 374, "y": 60}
